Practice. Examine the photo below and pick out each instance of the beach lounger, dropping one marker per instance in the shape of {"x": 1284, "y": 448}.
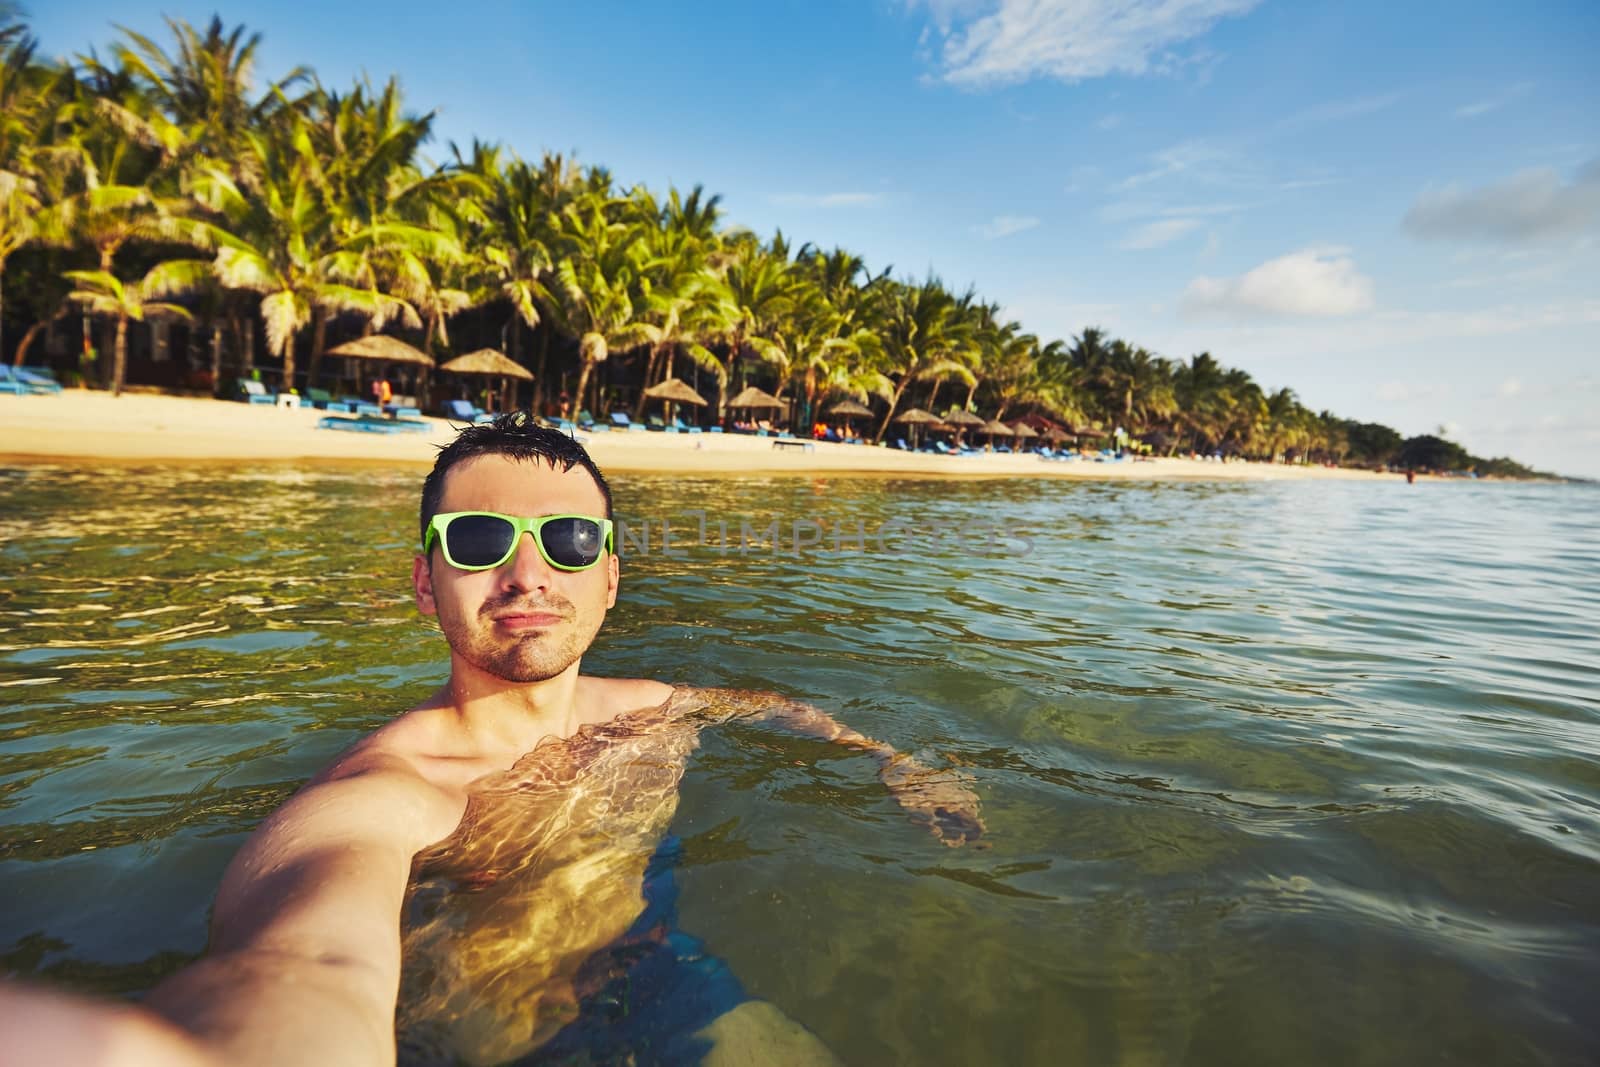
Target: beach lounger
{"x": 585, "y": 421}
{"x": 371, "y": 424}
{"x": 683, "y": 427}
{"x": 465, "y": 411}
{"x": 253, "y": 392}
{"x": 323, "y": 400}
{"x": 654, "y": 422}
{"x": 27, "y": 380}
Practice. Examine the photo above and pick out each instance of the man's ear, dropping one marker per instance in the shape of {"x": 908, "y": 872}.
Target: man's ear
{"x": 613, "y": 576}
{"x": 422, "y": 585}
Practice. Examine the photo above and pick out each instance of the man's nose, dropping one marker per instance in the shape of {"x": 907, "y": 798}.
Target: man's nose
{"x": 527, "y": 569}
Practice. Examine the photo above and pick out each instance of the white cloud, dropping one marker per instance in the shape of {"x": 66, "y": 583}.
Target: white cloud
{"x": 1532, "y": 205}
{"x": 1509, "y": 388}
{"x": 1072, "y": 39}
{"x": 1108, "y": 122}
{"x": 1130, "y": 210}
{"x": 1493, "y": 103}
{"x": 1196, "y": 158}
{"x": 1338, "y": 111}
{"x": 1156, "y": 234}
{"x": 1005, "y": 226}
{"x": 1313, "y": 282}
{"x": 826, "y": 199}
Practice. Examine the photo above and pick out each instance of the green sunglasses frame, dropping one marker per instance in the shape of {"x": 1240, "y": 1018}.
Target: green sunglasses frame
{"x": 520, "y": 526}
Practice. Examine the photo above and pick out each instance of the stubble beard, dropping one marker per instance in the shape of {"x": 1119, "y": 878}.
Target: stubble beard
{"x": 531, "y": 657}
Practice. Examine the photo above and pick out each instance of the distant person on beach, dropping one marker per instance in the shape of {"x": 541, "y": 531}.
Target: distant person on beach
{"x": 507, "y": 837}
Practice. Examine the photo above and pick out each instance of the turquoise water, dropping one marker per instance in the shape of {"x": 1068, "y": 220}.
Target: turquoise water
{"x": 1272, "y": 773}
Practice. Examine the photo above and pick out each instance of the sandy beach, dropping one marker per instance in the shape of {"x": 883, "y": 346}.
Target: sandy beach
{"x": 77, "y": 426}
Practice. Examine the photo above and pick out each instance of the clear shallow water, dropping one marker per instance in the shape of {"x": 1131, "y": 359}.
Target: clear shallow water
{"x": 1272, "y": 773}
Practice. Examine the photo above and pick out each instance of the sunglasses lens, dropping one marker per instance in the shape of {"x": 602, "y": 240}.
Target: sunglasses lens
{"x": 572, "y": 542}
{"x": 478, "y": 540}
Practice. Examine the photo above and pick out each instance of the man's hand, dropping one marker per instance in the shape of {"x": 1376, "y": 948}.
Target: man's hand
{"x": 940, "y": 800}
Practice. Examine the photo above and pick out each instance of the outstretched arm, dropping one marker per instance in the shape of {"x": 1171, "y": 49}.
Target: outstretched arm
{"x": 939, "y": 799}
{"x": 304, "y": 961}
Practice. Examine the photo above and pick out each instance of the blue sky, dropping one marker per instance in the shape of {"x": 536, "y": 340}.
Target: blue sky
{"x": 1393, "y": 209}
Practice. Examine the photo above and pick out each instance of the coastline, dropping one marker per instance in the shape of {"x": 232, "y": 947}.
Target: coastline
{"x": 83, "y": 425}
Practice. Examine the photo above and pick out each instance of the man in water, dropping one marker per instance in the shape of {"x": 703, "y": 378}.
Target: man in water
{"x": 499, "y": 836}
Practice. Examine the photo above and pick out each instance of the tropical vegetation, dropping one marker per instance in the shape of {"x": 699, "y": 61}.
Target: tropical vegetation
{"x": 244, "y": 226}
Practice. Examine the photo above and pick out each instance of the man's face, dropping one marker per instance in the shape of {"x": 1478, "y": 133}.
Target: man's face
{"x": 524, "y": 621}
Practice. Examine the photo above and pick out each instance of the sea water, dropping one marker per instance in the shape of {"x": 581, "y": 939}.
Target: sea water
{"x": 1290, "y": 772}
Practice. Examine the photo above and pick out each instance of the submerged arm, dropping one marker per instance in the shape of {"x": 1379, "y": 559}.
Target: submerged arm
{"x": 940, "y": 799}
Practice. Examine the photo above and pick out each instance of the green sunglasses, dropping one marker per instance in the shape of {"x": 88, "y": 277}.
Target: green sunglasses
{"x": 483, "y": 540}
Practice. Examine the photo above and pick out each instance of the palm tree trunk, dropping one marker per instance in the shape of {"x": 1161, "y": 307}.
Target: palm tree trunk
{"x": 883, "y": 427}
{"x": 933, "y": 397}
{"x": 247, "y": 347}
{"x": 119, "y": 365}
{"x": 319, "y": 340}
{"x": 583, "y": 380}
{"x": 216, "y": 357}
{"x": 972, "y": 390}
{"x": 21, "y": 356}
{"x": 539, "y": 380}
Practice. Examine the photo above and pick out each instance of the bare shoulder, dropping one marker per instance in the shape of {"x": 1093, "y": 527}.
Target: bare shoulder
{"x": 372, "y": 799}
{"x": 603, "y": 699}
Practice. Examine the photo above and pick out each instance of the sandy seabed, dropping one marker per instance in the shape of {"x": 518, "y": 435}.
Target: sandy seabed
{"x": 77, "y": 426}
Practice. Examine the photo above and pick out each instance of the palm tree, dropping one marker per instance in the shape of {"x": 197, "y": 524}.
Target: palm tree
{"x": 282, "y": 239}
{"x": 509, "y": 223}
{"x": 205, "y": 87}
{"x": 30, "y": 99}
{"x": 598, "y": 282}
{"x": 1200, "y": 390}
{"x": 761, "y": 291}
{"x": 682, "y": 297}
{"x": 103, "y": 293}
{"x": 920, "y": 335}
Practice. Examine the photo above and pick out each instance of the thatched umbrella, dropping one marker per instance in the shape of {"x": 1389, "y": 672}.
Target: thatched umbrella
{"x": 490, "y": 363}
{"x": 995, "y": 428}
{"x": 383, "y": 349}
{"x": 963, "y": 417}
{"x": 753, "y": 397}
{"x": 914, "y": 417}
{"x": 1023, "y": 431}
{"x": 848, "y": 409}
{"x": 674, "y": 391}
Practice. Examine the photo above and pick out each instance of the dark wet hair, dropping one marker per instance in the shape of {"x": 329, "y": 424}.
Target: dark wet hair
{"x": 513, "y": 434}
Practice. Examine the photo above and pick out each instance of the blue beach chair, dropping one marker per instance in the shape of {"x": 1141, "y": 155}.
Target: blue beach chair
{"x": 465, "y": 411}
{"x": 27, "y": 380}
{"x": 253, "y": 392}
